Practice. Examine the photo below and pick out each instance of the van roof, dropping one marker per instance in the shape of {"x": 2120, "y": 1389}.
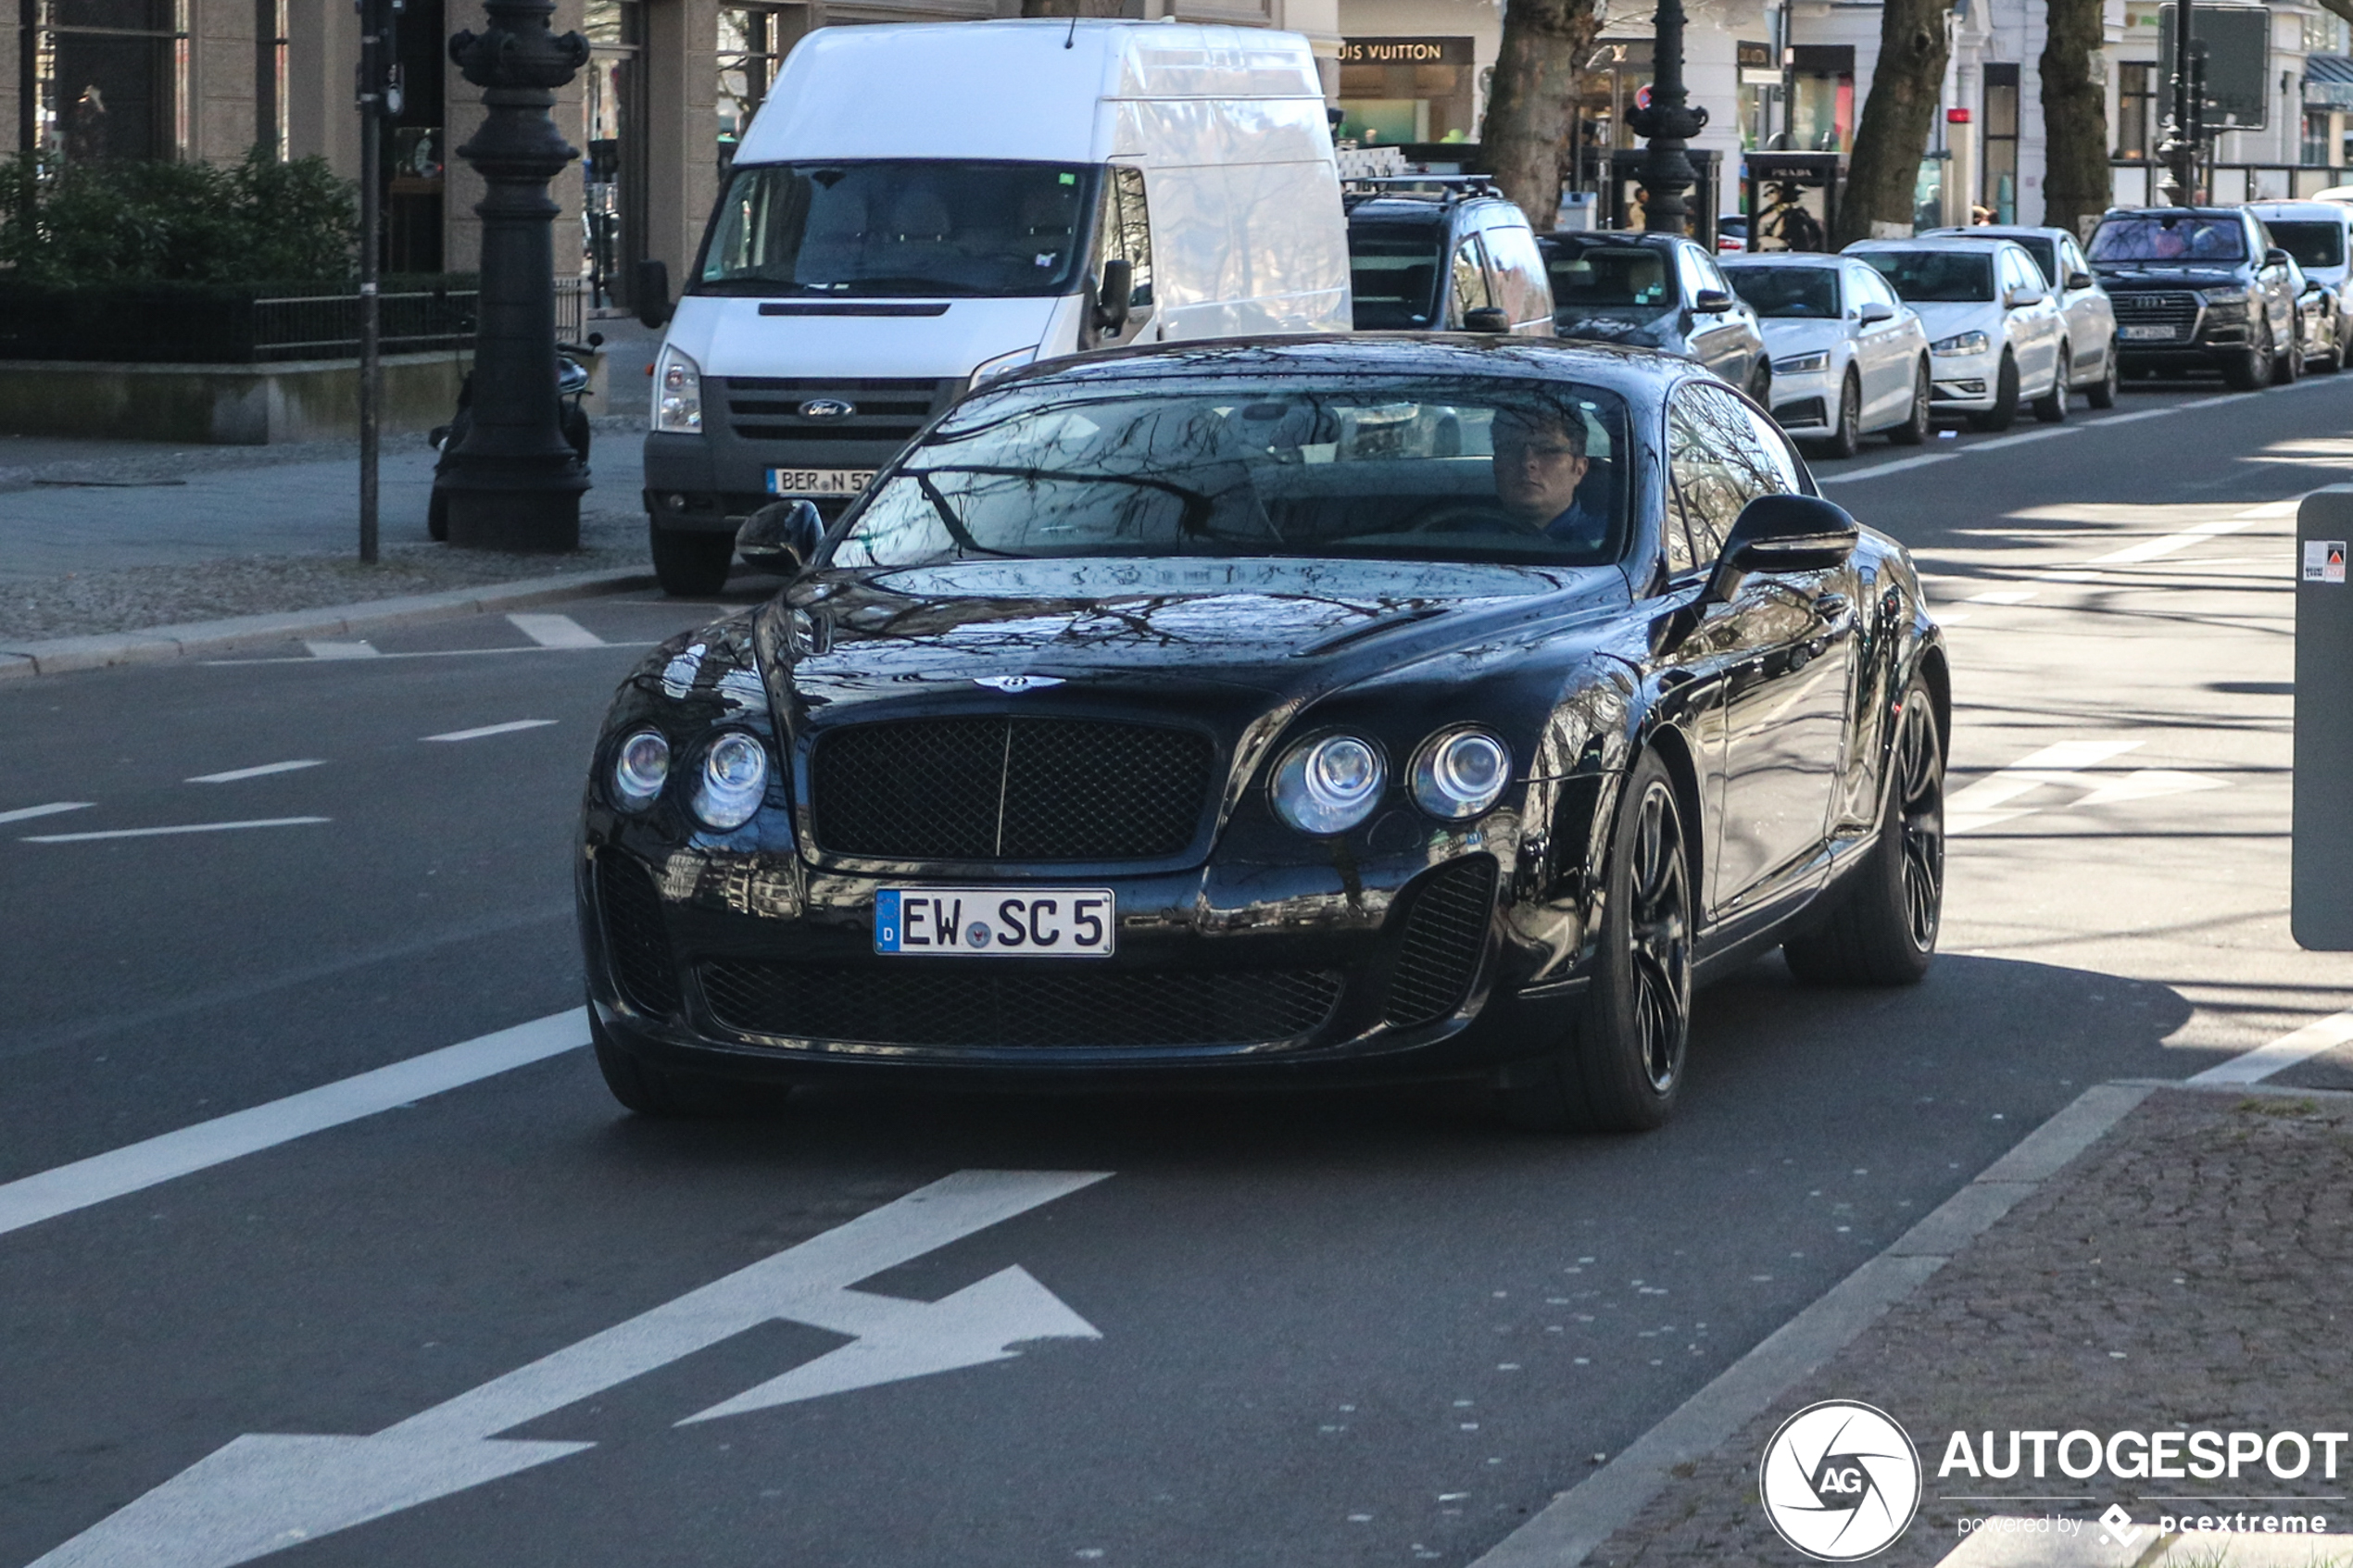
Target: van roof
{"x": 1029, "y": 90}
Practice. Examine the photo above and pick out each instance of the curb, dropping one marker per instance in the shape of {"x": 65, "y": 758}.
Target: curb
{"x": 1582, "y": 1518}
{"x": 157, "y": 643}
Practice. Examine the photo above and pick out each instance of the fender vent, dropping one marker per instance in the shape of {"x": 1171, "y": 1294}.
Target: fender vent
{"x": 1444, "y": 935}
{"x": 637, "y": 945}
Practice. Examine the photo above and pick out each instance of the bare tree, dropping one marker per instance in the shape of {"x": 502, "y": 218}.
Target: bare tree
{"x": 2075, "y": 179}
{"x": 1906, "y": 85}
{"x": 1526, "y": 129}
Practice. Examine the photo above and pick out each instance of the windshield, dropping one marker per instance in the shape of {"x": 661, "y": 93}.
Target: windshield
{"x": 2170, "y": 237}
{"x": 1587, "y": 272}
{"x": 853, "y": 231}
{"x": 1926, "y": 277}
{"x": 1787, "y": 292}
{"x": 1392, "y": 274}
{"x": 2312, "y": 245}
{"x": 1457, "y": 470}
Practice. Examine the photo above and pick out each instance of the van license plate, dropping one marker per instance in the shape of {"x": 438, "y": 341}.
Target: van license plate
{"x": 818, "y": 482}
{"x": 998, "y": 922}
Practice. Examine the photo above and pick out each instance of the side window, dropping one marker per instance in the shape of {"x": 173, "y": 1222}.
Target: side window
{"x": 1127, "y": 231}
{"x": 1721, "y": 455}
{"x": 1689, "y": 267}
{"x": 1519, "y": 273}
{"x": 1468, "y": 289}
{"x": 1715, "y": 274}
{"x": 2071, "y": 259}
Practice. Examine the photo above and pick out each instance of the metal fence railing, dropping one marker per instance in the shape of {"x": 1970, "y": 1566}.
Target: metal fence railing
{"x": 2135, "y": 181}
{"x": 327, "y": 326}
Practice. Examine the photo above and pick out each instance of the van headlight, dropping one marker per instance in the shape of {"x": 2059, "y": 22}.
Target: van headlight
{"x": 1328, "y": 784}
{"x": 1461, "y": 773}
{"x": 677, "y": 393}
{"x": 735, "y": 779}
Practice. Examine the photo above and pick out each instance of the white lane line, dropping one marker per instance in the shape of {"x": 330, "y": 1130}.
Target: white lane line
{"x": 2023, "y": 437}
{"x": 506, "y": 729}
{"x": 1980, "y": 805}
{"x": 1897, "y": 467}
{"x": 2002, "y": 596}
{"x": 2284, "y": 1052}
{"x": 166, "y": 833}
{"x": 31, "y": 1199}
{"x": 342, "y": 650}
{"x": 234, "y": 774}
{"x": 26, "y": 813}
{"x": 2128, "y": 419}
{"x": 432, "y": 653}
{"x": 556, "y": 632}
{"x": 1951, "y": 617}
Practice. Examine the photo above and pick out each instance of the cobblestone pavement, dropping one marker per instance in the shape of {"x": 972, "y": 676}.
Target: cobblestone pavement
{"x": 2187, "y": 1272}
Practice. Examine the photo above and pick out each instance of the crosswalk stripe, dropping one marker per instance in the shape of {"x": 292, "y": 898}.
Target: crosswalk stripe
{"x": 556, "y": 632}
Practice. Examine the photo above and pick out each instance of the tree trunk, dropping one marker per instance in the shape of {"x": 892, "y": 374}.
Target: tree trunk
{"x": 1526, "y": 131}
{"x": 1905, "y": 86}
{"x": 2076, "y": 183}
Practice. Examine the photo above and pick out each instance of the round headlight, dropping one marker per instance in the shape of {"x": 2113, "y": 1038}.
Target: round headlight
{"x": 734, "y": 777}
{"x": 1461, "y": 774}
{"x": 639, "y": 770}
{"x": 1328, "y": 785}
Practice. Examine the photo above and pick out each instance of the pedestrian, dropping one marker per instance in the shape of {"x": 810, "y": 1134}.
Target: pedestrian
{"x": 1981, "y": 216}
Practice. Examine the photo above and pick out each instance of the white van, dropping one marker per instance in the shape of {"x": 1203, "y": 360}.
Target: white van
{"x": 917, "y": 207}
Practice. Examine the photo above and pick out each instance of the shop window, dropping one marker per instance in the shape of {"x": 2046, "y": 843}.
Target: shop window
{"x": 1415, "y": 89}
{"x": 2316, "y": 137}
{"x": 1999, "y": 193}
{"x": 614, "y": 205}
{"x": 2135, "y": 110}
{"x": 109, "y": 78}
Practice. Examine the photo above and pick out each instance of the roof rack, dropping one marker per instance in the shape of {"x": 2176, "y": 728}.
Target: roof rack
{"x": 1444, "y": 188}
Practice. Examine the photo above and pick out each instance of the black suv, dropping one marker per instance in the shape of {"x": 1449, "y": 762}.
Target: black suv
{"x": 2198, "y": 288}
{"x": 1444, "y": 254}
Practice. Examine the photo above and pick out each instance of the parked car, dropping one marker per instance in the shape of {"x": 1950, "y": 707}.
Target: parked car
{"x": 1271, "y": 711}
{"x": 2315, "y": 322}
{"x": 1655, "y": 290}
{"x": 2094, "y": 367}
{"x": 1994, "y": 330}
{"x": 1731, "y": 233}
{"x": 1444, "y": 254}
{"x": 1849, "y": 357}
{"x": 2197, "y": 288}
{"x": 2319, "y": 234}
{"x": 916, "y": 208}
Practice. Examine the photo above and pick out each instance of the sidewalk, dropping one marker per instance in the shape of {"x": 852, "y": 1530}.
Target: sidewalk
{"x": 2187, "y": 1272}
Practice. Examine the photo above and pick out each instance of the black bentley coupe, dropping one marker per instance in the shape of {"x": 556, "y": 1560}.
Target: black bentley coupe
{"x": 1248, "y": 711}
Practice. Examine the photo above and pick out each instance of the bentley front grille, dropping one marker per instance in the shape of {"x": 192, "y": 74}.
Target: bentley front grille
{"x": 974, "y": 1003}
{"x": 1004, "y": 788}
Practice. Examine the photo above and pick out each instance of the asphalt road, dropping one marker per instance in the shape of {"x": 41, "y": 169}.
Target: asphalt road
{"x": 1329, "y": 1329}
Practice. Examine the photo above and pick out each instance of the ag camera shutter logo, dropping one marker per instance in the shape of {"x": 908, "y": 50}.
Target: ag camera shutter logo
{"x": 1839, "y": 1481}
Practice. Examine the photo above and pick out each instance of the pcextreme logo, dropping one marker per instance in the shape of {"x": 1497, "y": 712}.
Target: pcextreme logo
{"x": 1839, "y": 1481}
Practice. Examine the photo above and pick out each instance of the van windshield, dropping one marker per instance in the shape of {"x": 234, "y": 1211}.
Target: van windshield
{"x": 898, "y": 229}
{"x": 2312, "y": 245}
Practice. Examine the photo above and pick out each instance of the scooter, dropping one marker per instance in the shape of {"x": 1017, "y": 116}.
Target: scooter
{"x": 572, "y": 386}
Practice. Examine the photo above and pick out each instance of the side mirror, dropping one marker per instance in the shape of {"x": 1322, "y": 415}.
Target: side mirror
{"x": 1486, "y": 319}
{"x": 2080, "y": 280}
{"x": 1875, "y": 312}
{"x": 1782, "y": 533}
{"x": 1711, "y": 302}
{"x": 1111, "y": 299}
{"x": 651, "y": 287}
{"x": 2021, "y": 294}
{"x": 2275, "y": 257}
{"x": 782, "y": 537}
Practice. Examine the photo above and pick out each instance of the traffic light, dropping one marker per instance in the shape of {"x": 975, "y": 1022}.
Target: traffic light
{"x": 379, "y": 92}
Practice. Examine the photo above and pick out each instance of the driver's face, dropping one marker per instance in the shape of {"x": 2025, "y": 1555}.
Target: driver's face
{"x": 1537, "y": 473}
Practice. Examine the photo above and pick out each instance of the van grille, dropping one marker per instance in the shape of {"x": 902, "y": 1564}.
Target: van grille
{"x": 888, "y": 408}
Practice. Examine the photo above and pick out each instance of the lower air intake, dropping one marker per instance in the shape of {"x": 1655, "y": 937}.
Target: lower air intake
{"x": 637, "y": 945}
{"x": 1445, "y": 932}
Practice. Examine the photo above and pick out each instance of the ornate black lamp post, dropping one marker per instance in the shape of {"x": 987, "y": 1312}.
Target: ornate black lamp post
{"x": 1669, "y": 123}
{"x": 514, "y": 483}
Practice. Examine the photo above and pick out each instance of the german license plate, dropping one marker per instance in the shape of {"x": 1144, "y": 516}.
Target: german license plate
{"x": 818, "y": 482}
{"x": 2140, "y": 334}
{"x": 998, "y": 922}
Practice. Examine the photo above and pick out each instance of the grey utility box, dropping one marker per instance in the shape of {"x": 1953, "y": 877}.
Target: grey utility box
{"x": 2321, "y": 882}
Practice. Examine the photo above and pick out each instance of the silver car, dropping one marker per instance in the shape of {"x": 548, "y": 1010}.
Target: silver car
{"x": 2316, "y": 234}
{"x": 2094, "y": 368}
{"x": 1849, "y": 357}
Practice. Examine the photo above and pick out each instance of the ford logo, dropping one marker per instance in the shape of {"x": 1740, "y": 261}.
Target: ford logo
{"x": 827, "y": 408}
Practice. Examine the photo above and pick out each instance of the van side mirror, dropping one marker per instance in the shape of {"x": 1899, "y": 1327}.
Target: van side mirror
{"x": 1874, "y": 311}
{"x": 782, "y": 537}
{"x": 1711, "y": 302}
{"x": 1782, "y": 533}
{"x": 1110, "y": 300}
{"x": 1486, "y": 319}
{"x": 650, "y": 285}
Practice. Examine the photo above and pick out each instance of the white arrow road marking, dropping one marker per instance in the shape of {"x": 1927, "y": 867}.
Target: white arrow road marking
{"x": 23, "y": 814}
{"x": 2319, "y": 1035}
{"x": 263, "y": 1494}
{"x": 556, "y": 632}
{"x": 1983, "y": 804}
{"x": 341, "y": 651}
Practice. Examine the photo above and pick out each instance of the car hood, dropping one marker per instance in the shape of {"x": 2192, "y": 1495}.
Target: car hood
{"x": 1800, "y": 334}
{"x": 1941, "y": 318}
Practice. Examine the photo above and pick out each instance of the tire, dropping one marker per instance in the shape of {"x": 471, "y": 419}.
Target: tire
{"x": 437, "y": 516}
{"x": 1882, "y": 931}
{"x": 1916, "y": 430}
{"x": 1621, "y": 1070}
{"x": 1846, "y": 436}
{"x": 2004, "y": 413}
{"x": 577, "y": 432}
{"x": 2101, "y": 394}
{"x": 1760, "y": 384}
{"x": 2051, "y": 407}
{"x": 2334, "y": 360}
{"x": 690, "y": 565}
{"x": 669, "y": 1094}
{"x": 2251, "y": 368}
{"x": 2288, "y": 367}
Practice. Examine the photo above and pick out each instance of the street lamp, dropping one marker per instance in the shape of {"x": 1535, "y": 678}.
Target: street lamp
{"x": 514, "y": 483}
{"x": 1667, "y": 123}
{"x": 2179, "y": 149}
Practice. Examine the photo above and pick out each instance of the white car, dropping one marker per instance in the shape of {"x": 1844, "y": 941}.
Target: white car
{"x": 2319, "y": 234}
{"x": 2094, "y": 366}
{"x": 1849, "y": 357}
{"x": 1994, "y": 332}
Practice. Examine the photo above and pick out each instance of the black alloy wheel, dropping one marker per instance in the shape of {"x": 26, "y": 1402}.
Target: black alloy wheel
{"x": 2101, "y": 394}
{"x": 1882, "y": 930}
{"x": 2004, "y": 413}
{"x": 1621, "y": 1070}
{"x": 690, "y": 565}
{"x": 1846, "y": 437}
{"x": 2251, "y": 368}
{"x": 1918, "y": 428}
{"x": 2051, "y": 407}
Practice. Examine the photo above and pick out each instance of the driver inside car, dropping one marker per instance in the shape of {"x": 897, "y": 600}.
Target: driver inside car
{"x": 1540, "y": 460}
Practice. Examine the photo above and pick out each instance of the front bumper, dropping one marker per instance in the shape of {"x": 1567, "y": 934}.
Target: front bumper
{"x": 1964, "y": 383}
{"x": 1804, "y": 400}
{"x": 756, "y": 966}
